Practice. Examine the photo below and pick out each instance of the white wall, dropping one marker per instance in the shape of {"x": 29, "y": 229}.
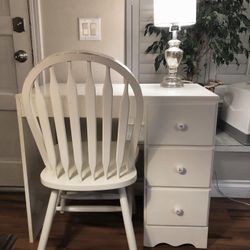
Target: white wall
{"x": 60, "y": 27}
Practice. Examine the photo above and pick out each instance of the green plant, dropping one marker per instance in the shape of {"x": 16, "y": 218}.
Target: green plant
{"x": 216, "y": 34}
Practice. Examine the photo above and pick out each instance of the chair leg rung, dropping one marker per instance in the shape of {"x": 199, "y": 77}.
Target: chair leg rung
{"x": 89, "y": 209}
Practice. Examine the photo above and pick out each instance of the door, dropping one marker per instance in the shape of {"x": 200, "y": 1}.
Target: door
{"x": 14, "y": 38}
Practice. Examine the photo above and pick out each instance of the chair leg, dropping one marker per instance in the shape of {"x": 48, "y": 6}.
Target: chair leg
{"x": 48, "y": 219}
{"x": 127, "y": 219}
{"x": 62, "y": 205}
{"x": 61, "y": 202}
{"x": 131, "y": 200}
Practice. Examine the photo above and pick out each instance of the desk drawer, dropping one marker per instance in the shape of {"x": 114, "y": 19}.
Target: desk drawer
{"x": 181, "y": 124}
{"x": 179, "y": 166}
{"x": 177, "y": 206}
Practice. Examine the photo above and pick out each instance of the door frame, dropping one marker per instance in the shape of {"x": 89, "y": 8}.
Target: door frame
{"x": 132, "y": 30}
{"x": 36, "y": 30}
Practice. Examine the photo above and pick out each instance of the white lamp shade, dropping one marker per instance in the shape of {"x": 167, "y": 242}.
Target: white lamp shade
{"x": 174, "y": 12}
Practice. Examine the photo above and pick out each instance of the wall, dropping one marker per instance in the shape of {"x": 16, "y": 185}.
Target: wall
{"x": 60, "y": 27}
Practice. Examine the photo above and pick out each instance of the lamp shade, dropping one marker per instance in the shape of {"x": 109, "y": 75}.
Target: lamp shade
{"x": 174, "y": 12}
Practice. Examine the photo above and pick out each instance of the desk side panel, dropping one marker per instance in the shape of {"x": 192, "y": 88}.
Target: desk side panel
{"x": 36, "y": 195}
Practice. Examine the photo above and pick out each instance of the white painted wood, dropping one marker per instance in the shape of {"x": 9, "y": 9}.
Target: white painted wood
{"x": 91, "y": 119}
{"x": 127, "y": 219}
{"x": 101, "y": 195}
{"x": 181, "y": 124}
{"x": 48, "y": 220}
{"x": 122, "y": 129}
{"x": 166, "y": 202}
{"x": 135, "y": 35}
{"x": 45, "y": 126}
{"x": 179, "y": 142}
{"x": 129, "y": 44}
{"x": 96, "y": 209}
{"x": 5, "y": 25}
{"x": 74, "y": 122}
{"x": 59, "y": 105}
{"x": 132, "y": 34}
{"x": 12, "y": 75}
{"x": 36, "y": 195}
{"x": 153, "y": 93}
{"x": 59, "y": 122}
{"x": 107, "y": 121}
{"x": 36, "y": 30}
{"x": 175, "y": 236}
{"x": 88, "y": 183}
{"x": 179, "y": 166}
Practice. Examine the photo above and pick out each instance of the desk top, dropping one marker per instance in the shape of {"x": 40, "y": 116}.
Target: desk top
{"x": 194, "y": 90}
{"x": 152, "y": 93}
{"x": 154, "y": 90}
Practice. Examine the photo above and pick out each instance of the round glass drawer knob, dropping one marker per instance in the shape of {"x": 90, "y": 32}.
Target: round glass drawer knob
{"x": 178, "y": 211}
{"x": 181, "y": 170}
{"x": 181, "y": 126}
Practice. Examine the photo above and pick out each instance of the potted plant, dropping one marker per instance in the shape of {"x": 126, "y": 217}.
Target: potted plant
{"x": 216, "y": 35}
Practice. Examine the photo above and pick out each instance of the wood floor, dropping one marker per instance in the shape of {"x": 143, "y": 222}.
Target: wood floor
{"x": 229, "y": 227}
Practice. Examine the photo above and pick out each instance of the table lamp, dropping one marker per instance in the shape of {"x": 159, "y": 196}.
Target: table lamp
{"x": 174, "y": 14}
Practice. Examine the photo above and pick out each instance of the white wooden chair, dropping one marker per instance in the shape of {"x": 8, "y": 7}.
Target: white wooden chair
{"x": 78, "y": 165}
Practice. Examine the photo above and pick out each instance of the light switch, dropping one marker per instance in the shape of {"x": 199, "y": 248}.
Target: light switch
{"x": 90, "y": 28}
{"x": 85, "y": 29}
{"x": 93, "y": 29}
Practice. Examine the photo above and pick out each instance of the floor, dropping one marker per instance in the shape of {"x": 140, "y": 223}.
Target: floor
{"x": 229, "y": 227}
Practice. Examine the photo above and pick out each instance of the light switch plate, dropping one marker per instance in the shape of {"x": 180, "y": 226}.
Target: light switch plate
{"x": 90, "y": 28}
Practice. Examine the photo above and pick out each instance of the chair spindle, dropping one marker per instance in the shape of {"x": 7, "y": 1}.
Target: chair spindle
{"x": 74, "y": 121}
{"x": 59, "y": 121}
{"x": 45, "y": 126}
{"x": 107, "y": 121}
{"x": 122, "y": 129}
{"x": 91, "y": 119}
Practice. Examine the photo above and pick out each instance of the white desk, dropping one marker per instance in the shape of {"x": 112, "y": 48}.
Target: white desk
{"x": 179, "y": 141}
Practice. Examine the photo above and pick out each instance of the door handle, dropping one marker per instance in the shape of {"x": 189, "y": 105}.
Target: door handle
{"x": 21, "y": 56}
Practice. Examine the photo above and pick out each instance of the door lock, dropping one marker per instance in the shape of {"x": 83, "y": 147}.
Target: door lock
{"x": 18, "y": 24}
{"x": 21, "y": 56}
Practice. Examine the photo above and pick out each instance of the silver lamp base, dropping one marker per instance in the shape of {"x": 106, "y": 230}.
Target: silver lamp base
{"x": 173, "y": 56}
{"x": 171, "y": 82}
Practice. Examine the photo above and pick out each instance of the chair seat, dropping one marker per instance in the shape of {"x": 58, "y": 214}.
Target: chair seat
{"x": 50, "y": 179}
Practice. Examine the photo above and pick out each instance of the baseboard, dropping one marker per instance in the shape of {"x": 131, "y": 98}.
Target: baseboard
{"x": 11, "y": 189}
{"x": 231, "y": 188}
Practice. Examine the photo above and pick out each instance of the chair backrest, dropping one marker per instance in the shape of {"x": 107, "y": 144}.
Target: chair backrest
{"x": 40, "y": 103}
